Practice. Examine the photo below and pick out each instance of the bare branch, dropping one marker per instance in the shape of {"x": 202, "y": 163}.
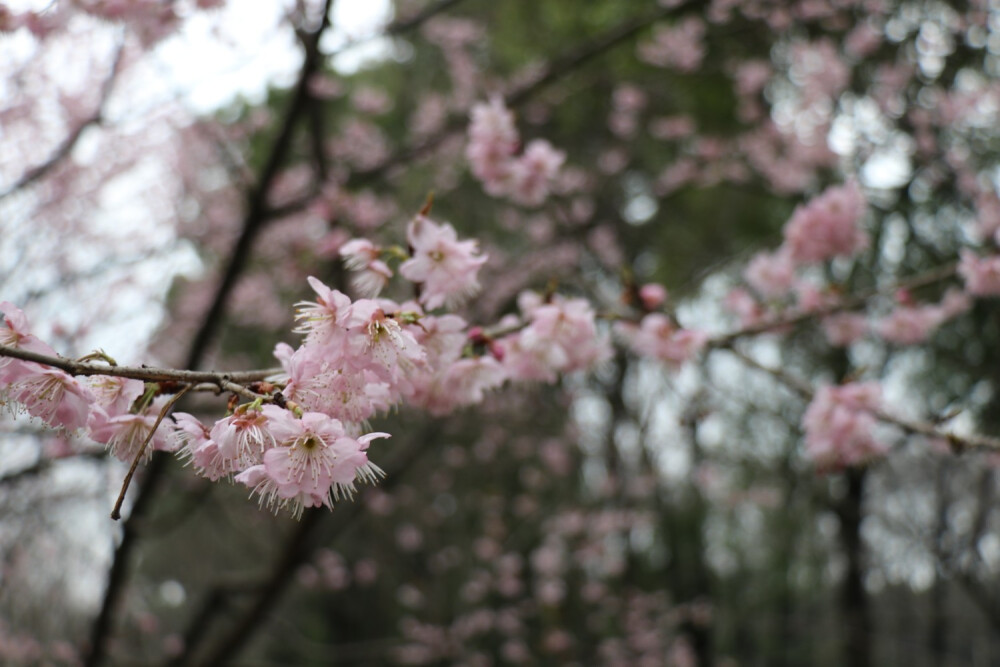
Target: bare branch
{"x": 116, "y": 512}
{"x": 221, "y": 379}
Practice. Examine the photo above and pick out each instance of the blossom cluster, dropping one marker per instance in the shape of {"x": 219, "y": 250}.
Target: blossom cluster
{"x": 826, "y": 228}
{"x": 304, "y": 444}
{"x": 493, "y": 142}
{"x": 840, "y": 427}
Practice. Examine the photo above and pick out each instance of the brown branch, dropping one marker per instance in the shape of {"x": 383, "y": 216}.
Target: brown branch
{"x": 224, "y": 380}
{"x": 116, "y": 511}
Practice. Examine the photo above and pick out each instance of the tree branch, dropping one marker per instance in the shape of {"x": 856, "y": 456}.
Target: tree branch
{"x": 222, "y": 379}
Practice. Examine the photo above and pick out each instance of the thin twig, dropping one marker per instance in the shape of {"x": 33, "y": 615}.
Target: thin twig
{"x": 116, "y": 512}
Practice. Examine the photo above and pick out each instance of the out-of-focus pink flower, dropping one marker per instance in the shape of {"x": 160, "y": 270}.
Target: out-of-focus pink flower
{"x": 810, "y": 298}
{"x": 772, "y": 275}
{"x": 492, "y": 141}
{"x": 652, "y": 296}
{"x": 561, "y": 337}
{"x": 659, "y": 338}
{"x": 532, "y": 174}
{"x": 750, "y": 311}
{"x": 828, "y": 226}
{"x": 842, "y": 329}
{"x": 840, "y": 429}
{"x": 981, "y": 274}
{"x": 680, "y": 47}
{"x": 371, "y": 273}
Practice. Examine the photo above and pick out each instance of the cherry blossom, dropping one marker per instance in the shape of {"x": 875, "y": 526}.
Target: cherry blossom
{"x": 772, "y": 275}
{"x": 827, "y": 226}
{"x": 840, "y": 429}
{"x": 371, "y": 273}
{"x": 981, "y": 274}
{"x": 658, "y": 337}
{"x": 125, "y": 434}
{"x": 445, "y": 267}
{"x": 53, "y": 396}
{"x": 313, "y": 463}
{"x": 493, "y": 139}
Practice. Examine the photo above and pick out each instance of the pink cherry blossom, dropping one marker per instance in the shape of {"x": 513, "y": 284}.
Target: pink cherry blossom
{"x": 909, "y": 325}
{"x": 842, "y": 329}
{"x": 124, "y": 434}
{"x": 49, "y": 394}
{"x": 493, "y": 139}
{"x": 380, "y": 344}
{"x": 461, "y": 382}
{"x": 371, "y": 273}
{"x": 115, "y": 394}
{"x": 193, "y": 442}
{"x": 772, "y": 275}
{"x": 652, "y": 296}
{"x": 561, "y": 337}
{"x": 679, "y": 46}
{"x": 445, "y": 267}
{"x": 840, "y": 429}
{"x": 313, "y": 463}
{"x": 320, "y": 381}
{"x": 243, "y": 437}
{"x": 15, "y": 332}
{"x": 448, "y": 380}
{"x": 981, "y": 274}
{"x": 532, "y": 174}
{"x": 658, "y": 337}
{"x": 323, "y": 319}
{"x": 749, "y": 311}
{"x": 827, "y": 226}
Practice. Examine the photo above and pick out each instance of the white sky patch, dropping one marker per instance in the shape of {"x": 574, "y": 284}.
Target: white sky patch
{"x": 232, "y": 52}
{"x": 355, "y": 26}
{"x": 219, "y": 56}
{"x": 886, "y": 169}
